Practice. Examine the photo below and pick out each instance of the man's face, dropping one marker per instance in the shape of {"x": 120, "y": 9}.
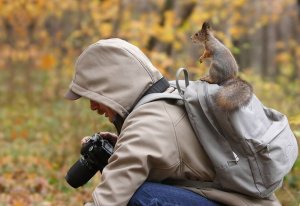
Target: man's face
{"x": 102, "y": 109}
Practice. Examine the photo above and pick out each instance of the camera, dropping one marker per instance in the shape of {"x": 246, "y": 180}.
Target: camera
{"x": 94, "y": 156}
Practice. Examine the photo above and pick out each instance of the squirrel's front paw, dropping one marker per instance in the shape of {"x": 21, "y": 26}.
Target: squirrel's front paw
{"x": 200, "y": 60}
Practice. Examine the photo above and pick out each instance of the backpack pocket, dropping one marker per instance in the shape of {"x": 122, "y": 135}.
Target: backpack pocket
{"x": 274, "y": 153}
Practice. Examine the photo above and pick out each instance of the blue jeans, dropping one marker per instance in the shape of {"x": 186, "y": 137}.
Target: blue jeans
{"x": 154, "y": 194}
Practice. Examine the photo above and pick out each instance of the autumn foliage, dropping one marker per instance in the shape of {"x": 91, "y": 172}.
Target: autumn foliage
{"x": 40, "y": 40}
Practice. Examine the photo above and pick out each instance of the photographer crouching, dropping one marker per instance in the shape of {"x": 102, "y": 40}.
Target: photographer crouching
{"x": 155, "y": 141}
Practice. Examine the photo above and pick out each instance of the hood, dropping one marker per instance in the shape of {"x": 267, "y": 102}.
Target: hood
{"x": 113, "y": 72}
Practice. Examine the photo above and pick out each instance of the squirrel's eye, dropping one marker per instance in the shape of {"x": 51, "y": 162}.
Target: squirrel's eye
{"x": 196, "y": 34}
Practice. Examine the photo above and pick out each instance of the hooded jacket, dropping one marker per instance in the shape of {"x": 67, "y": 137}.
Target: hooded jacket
{"x": 156, "y": 141}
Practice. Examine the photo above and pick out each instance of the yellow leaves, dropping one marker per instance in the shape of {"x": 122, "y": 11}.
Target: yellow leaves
{"x": 200, "y": 69}
{"x": 68, "y": 67}
{"x": 47, "y": 62}
{"x": 295, "y": 120}
{"x": 108, "y": 5}
{"x": 161, "y": 61}
{"x": 33, "y": 9}
{"x": 2, "y": 64}
{"x": 19, "y": 202}
{"x": 298, "y": 54}
{"x": 21, "y": 187}
{"x": 20, "y": 55}
{"x": 165, "y": 34}
{"x": 177, "y": 45}
{"x": 105, "y": 29}
{"x": 236, "y": 31}
{"x": 108, "y": 10}
{"x": 213, "y": 4}
{"x": 23, "y": 134}
{"x": 235, "y": 18}
{"x": 280, "y": 45}
{"x": 283, "y": 57}
{"x": 199, "y": 16}
{"x": 96, "y": 16}
{"x": 170, "y": 18}
{"x": 238, "y": 3}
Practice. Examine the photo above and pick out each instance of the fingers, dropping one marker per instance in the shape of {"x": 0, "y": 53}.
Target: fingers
{"x": 108, "y": 134}
{"x": 111, "y": 137}
{"x": 85, "y": 139}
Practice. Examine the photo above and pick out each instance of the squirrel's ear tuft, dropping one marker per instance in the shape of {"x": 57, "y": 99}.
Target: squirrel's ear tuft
{"x": 205, "y": 26}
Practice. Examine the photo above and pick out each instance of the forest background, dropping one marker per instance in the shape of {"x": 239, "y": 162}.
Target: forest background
{"x": 40, "y": 40}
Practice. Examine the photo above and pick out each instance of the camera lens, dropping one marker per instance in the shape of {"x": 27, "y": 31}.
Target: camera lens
{"x": 80, "y": 173}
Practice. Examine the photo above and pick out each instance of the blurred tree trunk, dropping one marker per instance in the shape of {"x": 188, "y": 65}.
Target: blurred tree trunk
{"x": 268, "y": 68}
{"x": 296, "y": 34}
{"x": 153, "y": 40}
{"x": 182, "y": 12}
{"x": 118, "y": 21}
{"x": 8, "y": 29}
{"x": 255, "y": 54}
{"x": 185, "y": 11}
{"x": 243, "y": 56}
{"x": 298, "y": 9}
{"x": 288, "y": 35}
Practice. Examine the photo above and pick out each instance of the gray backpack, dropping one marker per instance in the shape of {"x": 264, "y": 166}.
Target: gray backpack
{"x": 251, "y": 149}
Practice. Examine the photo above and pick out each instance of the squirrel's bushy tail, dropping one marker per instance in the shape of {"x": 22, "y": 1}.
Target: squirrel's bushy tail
{"x": 234, "y": 94}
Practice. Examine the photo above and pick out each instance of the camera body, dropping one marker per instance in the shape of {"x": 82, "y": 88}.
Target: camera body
{"x": 95, "y": 153}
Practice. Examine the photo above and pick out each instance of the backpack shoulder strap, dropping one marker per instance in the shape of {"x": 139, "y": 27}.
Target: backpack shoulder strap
{"x": 157, "y": 96}
{"x": 178, "y": 84}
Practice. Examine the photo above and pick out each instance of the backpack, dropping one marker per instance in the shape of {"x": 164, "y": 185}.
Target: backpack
{"x": 251, "y": 149}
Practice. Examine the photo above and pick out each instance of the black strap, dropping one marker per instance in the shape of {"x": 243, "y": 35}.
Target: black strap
{"x": 158, "y": 87}
{"x": 157, "y": 96}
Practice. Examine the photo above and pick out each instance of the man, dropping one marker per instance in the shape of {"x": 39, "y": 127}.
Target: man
{"x": 155, "y": 141}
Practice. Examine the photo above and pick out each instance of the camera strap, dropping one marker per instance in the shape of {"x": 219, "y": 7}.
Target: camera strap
{"x": 158, "y": 87}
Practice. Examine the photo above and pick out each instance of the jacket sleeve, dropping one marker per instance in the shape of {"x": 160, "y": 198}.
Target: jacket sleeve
{"x": 141, "y": 147}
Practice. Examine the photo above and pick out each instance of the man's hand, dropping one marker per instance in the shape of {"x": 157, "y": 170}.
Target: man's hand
{"x": 111, "y": 137}
{"x": 85, "y": 139}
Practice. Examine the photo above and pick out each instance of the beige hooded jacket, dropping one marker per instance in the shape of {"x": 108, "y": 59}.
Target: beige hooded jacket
{"x": 156, "y": 140}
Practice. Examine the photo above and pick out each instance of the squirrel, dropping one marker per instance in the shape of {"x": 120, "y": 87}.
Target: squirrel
{"x": 223, "y": 70}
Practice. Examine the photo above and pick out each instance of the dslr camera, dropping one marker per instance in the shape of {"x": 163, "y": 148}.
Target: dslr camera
{"x": 94, "y": 156}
